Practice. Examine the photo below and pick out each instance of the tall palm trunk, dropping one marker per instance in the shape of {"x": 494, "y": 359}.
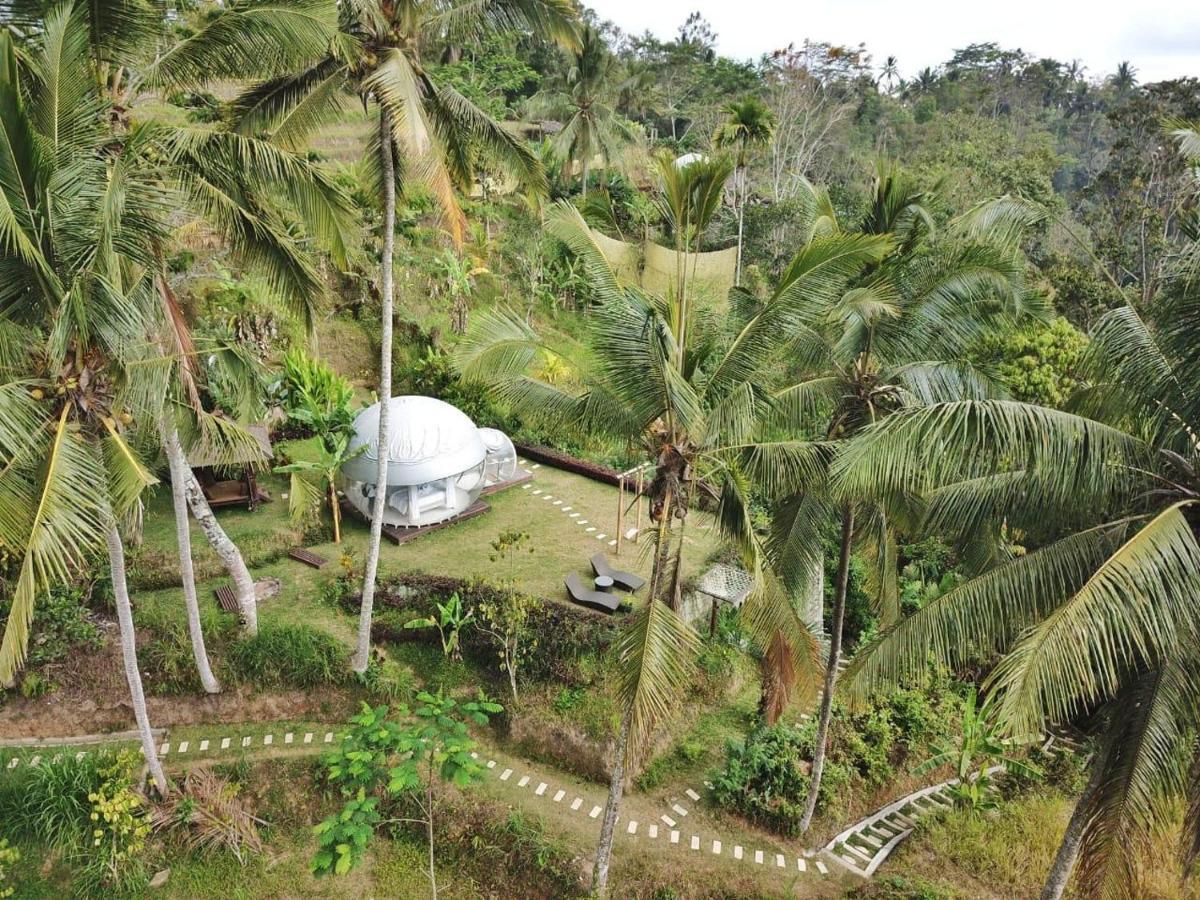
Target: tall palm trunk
{"x": 183, "y": 537}
{"x": 1068, "y": 851}
{"x": 585, "y": 174}
{"x": 831, "y": 669}
{"x": 116, "y": 562}
{"x": 362, "y": 653}
{"x": 741, "y": 194}
{"x": 608, "y": 828}
{"x": 616, "y": 783}
{"x": 226, "y": 551}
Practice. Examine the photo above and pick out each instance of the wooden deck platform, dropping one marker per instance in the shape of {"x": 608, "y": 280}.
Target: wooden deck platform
{"x": 404, "y": 535}
{"x": 521, "y": 478}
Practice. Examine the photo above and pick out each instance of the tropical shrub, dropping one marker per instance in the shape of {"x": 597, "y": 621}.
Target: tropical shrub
{"x": 1037, "y": 364}
{"x": 61, "y": 624}
{"x": 207, "y": 813}
{"x": 389, "y": 681}
{"x": 380, "y": 757}
{"x": 432, "y": 374}
{"x": 315, "y": 398}
{"x": 452, "y": 616}
{"x": 9, "y": 857}
{"x": 49, "y": 804}
{"x": 766, "y": 776}
{"x": 288, "y": 656}
{"x": 119, "y": 828}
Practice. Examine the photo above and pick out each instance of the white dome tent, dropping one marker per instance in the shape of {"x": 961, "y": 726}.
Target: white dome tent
{"x": 438, "y": 461}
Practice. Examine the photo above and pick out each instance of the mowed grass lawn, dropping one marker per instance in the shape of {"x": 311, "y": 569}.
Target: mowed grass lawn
{"x": 463, "y": 550}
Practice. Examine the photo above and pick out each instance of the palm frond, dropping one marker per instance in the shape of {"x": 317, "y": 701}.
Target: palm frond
{"x": 52, "y": 512}
{"x": 291, "y": 107}
{"x": 984, "y": 614}
{"x": 1144, "y": 766}
{"x": 1133, "y": 612}
{"x": 913, "y": 451}
{"x": 553, "y": 20}
{"x": 249, "y": 39}
{"x": 655, "y": 660}
{"x": 128, "y": 476}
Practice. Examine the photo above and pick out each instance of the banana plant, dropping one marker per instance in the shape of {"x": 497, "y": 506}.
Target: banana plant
{"x": 453, "y": 616}
{"x": 315, "y": 480}
{"x": 977, "y": 751}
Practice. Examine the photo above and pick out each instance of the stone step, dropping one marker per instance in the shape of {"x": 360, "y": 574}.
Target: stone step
{"x": 858, "y": 851}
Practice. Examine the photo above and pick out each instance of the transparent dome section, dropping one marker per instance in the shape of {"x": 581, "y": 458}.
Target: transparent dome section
{"x": 500, "y": 464}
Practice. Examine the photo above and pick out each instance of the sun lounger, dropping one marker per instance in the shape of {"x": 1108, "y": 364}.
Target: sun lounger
{"x": 625, "y": 580}
{"x": 586, "y": 596}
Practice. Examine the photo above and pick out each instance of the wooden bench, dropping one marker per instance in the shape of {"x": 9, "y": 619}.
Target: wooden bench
{"x": 308, "y": 557}
{"x": 227, "y": 600}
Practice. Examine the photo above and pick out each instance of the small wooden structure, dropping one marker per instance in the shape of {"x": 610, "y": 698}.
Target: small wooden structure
{"x": 308, "y": 557}
{"x": 221, "y": 490}
{"x": 227, "y": 599}
{"x": 635, "y": 478}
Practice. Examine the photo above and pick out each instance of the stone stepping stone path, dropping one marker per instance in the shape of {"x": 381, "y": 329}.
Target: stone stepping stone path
{"x": 561, "y": 505}
{"x": 674, "y": 833}
{"x": 207, "y": 745}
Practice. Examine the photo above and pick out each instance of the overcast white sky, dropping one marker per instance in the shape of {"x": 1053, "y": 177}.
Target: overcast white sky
{"x": 1160, "y": 37}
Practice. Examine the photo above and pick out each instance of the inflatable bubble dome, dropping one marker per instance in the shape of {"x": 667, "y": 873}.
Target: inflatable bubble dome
{"x": 438, "y": 462}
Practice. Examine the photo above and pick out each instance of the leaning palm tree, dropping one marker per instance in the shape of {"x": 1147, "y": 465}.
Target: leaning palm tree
{"x": 691, "y": 391}
{"x": 1098, "y": 618}
{"x": 584, "y": 100}
{"x": 226, "y": 180}
{"x": 77, "y": 254}
{"x": 898, "y": 337}
{"x": 428, "y": 134}
{"x": 749, "y": 124}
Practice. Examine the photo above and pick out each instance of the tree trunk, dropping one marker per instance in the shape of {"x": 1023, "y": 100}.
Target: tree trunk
{"x": 116, "y": 562}
{"x": 228, "y": 552}
{"x": 1068, "y": 851}
{"x": 336, "y": 510}
{"x": 179, "y": 472}
{"x": 831, "y": 669}
{"x": 585, "y": 175}
{"x": 737, "y": 276}
{"x": 608, "y": 828}
{"x": 429, "y": 831}
{"x": 362, "y": 653}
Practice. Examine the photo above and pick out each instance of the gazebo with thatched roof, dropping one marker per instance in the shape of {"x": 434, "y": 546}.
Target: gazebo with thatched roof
{"x": 214, "y": 476}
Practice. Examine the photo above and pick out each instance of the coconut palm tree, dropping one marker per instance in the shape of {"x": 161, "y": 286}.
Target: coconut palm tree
{"x": 585, "y": 101}
{"x": 749, "y": 124}
{"x": 224, "y": 178}
{"x": 898, "y": 337}
{"x": 428, "y": 133}
{"x": 1098, "y": 618}
{"x": 1124, "y": 79}
{"x": 74, "y": 300}
{"x": 890, "y": 73}
{"x": 690, "y": 389}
